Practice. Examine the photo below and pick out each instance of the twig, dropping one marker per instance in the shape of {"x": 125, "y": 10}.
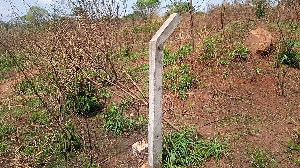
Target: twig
{"x": 172, "y": 125}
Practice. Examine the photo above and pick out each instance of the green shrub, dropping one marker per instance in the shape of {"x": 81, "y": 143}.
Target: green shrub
{"x": 116, "y": 121}
{"x": 41, "y": 118}
{"x": 239, "y": 52}
{"x": 4, "y": 146}
{"x": 51, "y": 148}
{"x": 289, "y": 55}
{"x": 187, "y": 149}
{"x": 179, "y": 79}
{"x": 178, "y": 7}
{"x": 260, "y": 8}
{"x": 85, "y": 99}
{"x": 171, "y": 58}
{"x": 210, "y": 47}
{"x": 7, "y": 63}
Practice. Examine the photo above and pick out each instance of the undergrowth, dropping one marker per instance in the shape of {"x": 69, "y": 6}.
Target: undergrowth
{"x": 179, "y": 79}
{"x": 118, "y": 120}
{"x": 188, "y": 149}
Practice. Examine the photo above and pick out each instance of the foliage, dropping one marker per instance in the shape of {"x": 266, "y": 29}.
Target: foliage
{"x": 116, "y": 121}
{"x": 7, "y": 64}
{"x": 260, "y": 7}
{"x": 85, "y": 98}
{"x": 179, "y": 79}
{"x": 41, "y": 118}
{"x": 294, "y": 143}
{"x": 172, "y": 58}
{"x": 289, "y": 55}
{"x": 6, "y": 129}
{"x": 178, "y": 7}
{"x": 36, "y": 16}
{"x": 186, "y": 148}
{"x": 239, "y": 52}
{"x": 146, "y": 7}
{"x": 260, "y": 158}
{"x": 53, "y": 146}
{"x": 210, "y": 47}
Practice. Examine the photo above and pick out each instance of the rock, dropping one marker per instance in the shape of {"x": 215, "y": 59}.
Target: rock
{"x": 145, "y": 165}
{"x": 140, "y": 149}
{"x": 260, "y": 41}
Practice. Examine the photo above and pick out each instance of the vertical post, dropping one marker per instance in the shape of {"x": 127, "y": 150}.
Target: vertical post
{"x": 155, "y": 88}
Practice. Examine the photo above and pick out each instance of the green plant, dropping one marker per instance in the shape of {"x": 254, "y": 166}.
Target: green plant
{"x": 116, "y": 121}
{"x": 41, "y": 118}
{"x": 257, "y": 70}
{"x": 84, "y": 98}
{"x": 210, "y": 47}
{"x": 260, "y": 158}
{"x": 260, "y": 8}
{"x": 68, "y": 140}
{"x": 6, "y": 129}
{"x": 294, "y": 143}
{"x": 179, "y": 79}
{"x": 178, "y": 7}
{"x": 52, "y": 147}
{"x": 4, "y": 146}
{"x": 7, "y": 64}
{"x": 186, "y": 148}
{"x": 239, "y": 52}
{"x": 289, "y": 55}
{"x": 145, "y": 8}
{"x": 171, "y": 58}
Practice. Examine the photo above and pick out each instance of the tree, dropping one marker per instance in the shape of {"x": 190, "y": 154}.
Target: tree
{"x": 260, "y": 7}
{"x": 36, "y": 16}
{"x": 146, "y": 8}
{"x": 178, "y": 7}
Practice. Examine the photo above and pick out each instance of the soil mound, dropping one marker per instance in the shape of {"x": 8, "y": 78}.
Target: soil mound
{"x": 260, "y": 41}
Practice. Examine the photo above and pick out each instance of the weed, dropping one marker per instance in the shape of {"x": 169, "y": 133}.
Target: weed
{"x": 116, "y": 121}
{"x": 257, "y": 70}
{"x": 261, "y": 158}
{"x": 260, "y": 8}
{"x": 239, "y": 52}
{"x": 171, "y": 58}
{"x": 4, "y": 146}
{"x": 294, "y": 143}
{"x": 210, "y": 47}
{"x": 138, "y": 72}
{"x": 289, "y": 55}
{"x": 85, "y": 99}
{"x": 6, "y": 129}
{"x": 186, "y": 148}
{"x": 52, "y": 147}
{"x": 179, "y": 79}
{"x": 209, "y": 110}
{"x": 7, "y": 64}
{"x": 41, "y": 118}
{"x": 223, "y": 61}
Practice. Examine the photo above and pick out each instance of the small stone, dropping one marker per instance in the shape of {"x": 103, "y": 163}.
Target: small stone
{"x": 145, "y": 165}
{"x": 140, "y": 149}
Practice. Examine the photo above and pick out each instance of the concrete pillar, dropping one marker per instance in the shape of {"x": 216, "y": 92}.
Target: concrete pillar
{"x": 155, "y": 89}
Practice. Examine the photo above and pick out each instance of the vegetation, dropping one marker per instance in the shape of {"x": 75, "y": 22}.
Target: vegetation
{"x": 145, "y": 8}
{"x": 186, "y": 148}
{"x": 117, "y": 122}
{"x": 178, "y": 7}
{"x": 74, "y": 85}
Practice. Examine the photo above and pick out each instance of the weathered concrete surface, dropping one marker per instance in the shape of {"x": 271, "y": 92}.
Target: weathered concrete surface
{"x": 155, "y": 88}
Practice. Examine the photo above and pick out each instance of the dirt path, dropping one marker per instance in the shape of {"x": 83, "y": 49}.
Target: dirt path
{"x": 7, "y": 87}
